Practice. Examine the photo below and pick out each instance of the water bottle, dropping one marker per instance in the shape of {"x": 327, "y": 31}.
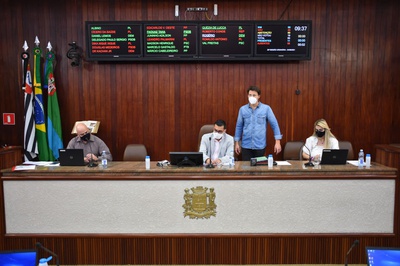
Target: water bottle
{"x": 231, "y": 161}
{"x": 104, "y": 160}
{"x": 147, "y": 161}
{"x": 368, "y": 160}
{"x": 270, "y": 161}
{"x": 43, "y": 261}
{"x": 361, "y": 159}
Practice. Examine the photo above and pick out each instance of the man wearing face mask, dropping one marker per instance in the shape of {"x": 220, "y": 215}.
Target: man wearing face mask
{"x": 217, "y": 147}
{"x": 322, "y": 138}
{"x": 92, "y": 145}
{"x": 251, "y": 127}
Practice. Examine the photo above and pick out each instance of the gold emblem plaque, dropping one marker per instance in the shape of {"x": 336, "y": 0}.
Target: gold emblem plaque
{"x": 200, "y": 203}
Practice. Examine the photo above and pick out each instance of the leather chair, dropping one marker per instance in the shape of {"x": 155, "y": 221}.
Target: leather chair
{"x": 135, "y": 152}
{"x": 346, "y": 145}
{"x": 292, "y": 150}
{"x": 209, "y": 128}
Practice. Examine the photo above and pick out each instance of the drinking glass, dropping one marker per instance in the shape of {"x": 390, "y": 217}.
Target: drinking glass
{"x": 316, "y": 161}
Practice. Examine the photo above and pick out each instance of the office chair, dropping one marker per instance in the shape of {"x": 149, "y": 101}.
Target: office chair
{"x": 209, "y": 128}
{"x": 343, "y": 144}
{"x": 135, "y": 152}
{"x": 292, "y": 150}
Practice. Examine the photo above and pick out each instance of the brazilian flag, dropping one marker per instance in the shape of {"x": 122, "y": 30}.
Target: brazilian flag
{"x": 44, "y": 154}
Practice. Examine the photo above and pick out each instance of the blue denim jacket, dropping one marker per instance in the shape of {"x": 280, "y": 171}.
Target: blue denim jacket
{"x": 251, "y": 126}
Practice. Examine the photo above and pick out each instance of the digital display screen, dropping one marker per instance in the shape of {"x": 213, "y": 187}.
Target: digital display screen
{"x": 114, "y": 40}
{"x": 226, "y": 40}
{"x": 18, "y": 258}
{"x": 198, "y": 40}
{"x": 283, "y": 39}
{"x": 380, "y": 256}
{"x": 170, "y": 40}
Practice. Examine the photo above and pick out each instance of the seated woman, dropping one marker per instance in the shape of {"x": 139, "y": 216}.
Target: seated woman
{"x": 322, "y": 138}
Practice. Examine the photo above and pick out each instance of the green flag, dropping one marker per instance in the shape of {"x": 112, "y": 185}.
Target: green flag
{"x": 54, "y": 133}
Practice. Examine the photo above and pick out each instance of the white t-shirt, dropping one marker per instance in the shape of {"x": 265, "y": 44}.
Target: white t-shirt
{"x": 311, "y": 144}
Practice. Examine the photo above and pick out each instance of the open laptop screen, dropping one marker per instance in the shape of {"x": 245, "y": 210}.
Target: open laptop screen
{"x": 18, "y": 258}
{"x": 71, "y": 157}
{"x": 331, "y": 156}
{"x": 379, "y": 256}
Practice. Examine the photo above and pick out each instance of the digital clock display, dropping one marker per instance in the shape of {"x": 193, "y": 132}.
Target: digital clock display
{"x": 283, "y": 39}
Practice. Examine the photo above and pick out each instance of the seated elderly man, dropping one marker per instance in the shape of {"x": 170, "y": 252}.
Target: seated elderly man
{"x": 92, "y": 145}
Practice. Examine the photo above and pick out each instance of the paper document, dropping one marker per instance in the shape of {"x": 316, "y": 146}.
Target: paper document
{"x": 283, "y": 163}
{"x": 23, "y": 167}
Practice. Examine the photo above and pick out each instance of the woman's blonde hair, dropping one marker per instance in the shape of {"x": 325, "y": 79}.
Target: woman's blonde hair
{"x": 328, "y": 134}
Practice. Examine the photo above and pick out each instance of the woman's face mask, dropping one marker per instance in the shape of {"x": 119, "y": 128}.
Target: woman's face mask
{"x": 320, "y": 134}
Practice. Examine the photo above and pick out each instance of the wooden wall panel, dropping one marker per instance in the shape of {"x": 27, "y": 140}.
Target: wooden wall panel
{"x": 352, "y": 73}
{"x": 202, "y": 250}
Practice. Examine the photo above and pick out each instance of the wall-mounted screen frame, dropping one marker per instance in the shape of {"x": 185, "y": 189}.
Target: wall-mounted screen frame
{"x": 113, "y": 40}
{"x": 226, "y": 39}
{"x": 281, "y": 40}
{"x": 170, "y": 39}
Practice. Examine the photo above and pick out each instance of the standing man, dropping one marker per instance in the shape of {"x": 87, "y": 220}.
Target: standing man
{"x": 92, "y": 145}
{"x": 217, "y": 147}
{"x": 251, "y": 127}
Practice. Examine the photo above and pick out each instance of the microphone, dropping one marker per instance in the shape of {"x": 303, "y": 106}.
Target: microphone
{"x": 309, "y": 164}
{"x": 91, "y": 161}
{"x": 210, "y": 165}
{"x": 39, "y": 245}
{"x": 355, "y": 243}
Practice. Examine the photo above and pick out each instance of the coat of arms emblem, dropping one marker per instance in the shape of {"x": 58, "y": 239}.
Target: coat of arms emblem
{"x": 200, "y": 203}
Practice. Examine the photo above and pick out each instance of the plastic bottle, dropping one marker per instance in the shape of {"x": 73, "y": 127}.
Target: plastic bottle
{"x": 368, "y": 160}
{"x": 231, "y": 161}
{"x": 43, "y": 261}
{"x": 270, "y": 161}
{"x": 147, "y": 160}
{"x": 104, "y": 161}
{"x": 361, "y": 159}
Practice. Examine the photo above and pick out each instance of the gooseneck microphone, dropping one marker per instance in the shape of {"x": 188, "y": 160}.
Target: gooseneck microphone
{"x": 39, "y": 245}
{"x": 210, "y": 165}
{"x": 355, "y": 243}
{"x": 309, "y": 164}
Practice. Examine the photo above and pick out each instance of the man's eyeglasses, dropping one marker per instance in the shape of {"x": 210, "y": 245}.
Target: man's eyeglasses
{"x": 219, "y": 131}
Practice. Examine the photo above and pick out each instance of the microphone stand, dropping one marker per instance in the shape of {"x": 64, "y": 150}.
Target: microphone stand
{"x": 355, "y": 243}
{"x": 309, "y": 164}
{"x": 39, "y": 245}
{"x": 210, "y": 165}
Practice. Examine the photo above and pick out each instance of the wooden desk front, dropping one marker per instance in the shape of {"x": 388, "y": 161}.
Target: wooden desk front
{"x": 300, "y": 206}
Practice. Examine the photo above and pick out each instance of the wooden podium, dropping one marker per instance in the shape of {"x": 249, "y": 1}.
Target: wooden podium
{"x": 10, "y": 156}
{"x": 388, "y": 154}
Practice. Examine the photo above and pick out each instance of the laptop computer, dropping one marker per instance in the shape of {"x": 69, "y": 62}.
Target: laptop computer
{"x": 18, "y": 257}
{"x": 71, "y": 157}
{"x": 334, "y": 156}
{"x": 379, "y": 256}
